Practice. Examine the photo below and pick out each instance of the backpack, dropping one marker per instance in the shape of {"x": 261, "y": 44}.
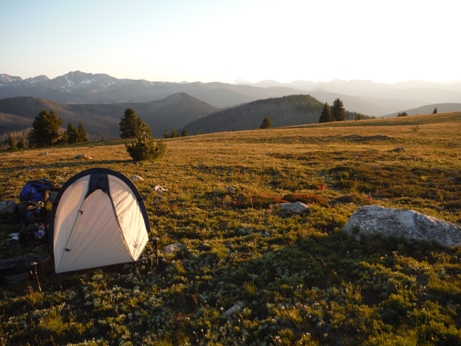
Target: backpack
{"x": 33, "y": 197}
{"x": 38, "y": 190}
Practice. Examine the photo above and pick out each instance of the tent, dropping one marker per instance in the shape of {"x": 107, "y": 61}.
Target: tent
{"x": 98, "y": 219}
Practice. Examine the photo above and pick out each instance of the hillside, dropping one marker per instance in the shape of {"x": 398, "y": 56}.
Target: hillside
{"x": 428, "y": 109}
{"x": 365, "y": 105}
{"x": 283, "y": 111}
{"x": 173, "y": 112}
{"x": 290, "y": 279}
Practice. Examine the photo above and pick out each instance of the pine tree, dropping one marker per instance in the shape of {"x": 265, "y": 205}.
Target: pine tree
{"x": 174, "y": 134}
{"x": 71, "y": 134}
{"x": 266, "y": 124}
{"x": 325, "y": 116}
{"x": 82, "y": 134}
{"x": 435, "y": 111}
{"x": 184, "y": 133}
{"x": 45, "y": 129}
{"x": 144, "y": 148}
{"x": 129, "y": 124}
{"x": 166, "y": 134}
{"x": 338, "y": 111}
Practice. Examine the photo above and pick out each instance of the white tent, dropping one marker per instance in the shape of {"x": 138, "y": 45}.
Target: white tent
{"x": 98, "y": 219}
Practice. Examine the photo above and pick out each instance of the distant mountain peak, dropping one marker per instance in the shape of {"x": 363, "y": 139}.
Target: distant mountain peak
{"x": 5, "y": 78}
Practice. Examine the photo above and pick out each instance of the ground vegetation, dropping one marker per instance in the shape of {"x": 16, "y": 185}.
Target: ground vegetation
{"x": 290, "y": 279}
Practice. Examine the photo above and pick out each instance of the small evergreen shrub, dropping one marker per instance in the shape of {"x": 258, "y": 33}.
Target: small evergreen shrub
{"x": 145, "y": 148}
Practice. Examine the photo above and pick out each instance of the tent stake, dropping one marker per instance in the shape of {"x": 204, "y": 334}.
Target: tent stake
{"x": 33, "y": 272}
{"x": 156, "y": 251}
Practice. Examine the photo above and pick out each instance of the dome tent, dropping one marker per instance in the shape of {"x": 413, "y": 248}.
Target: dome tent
{"x": 98, "y": 219}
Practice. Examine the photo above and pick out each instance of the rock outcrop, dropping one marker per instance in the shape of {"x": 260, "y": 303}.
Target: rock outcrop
{"x": 412, "y": 225}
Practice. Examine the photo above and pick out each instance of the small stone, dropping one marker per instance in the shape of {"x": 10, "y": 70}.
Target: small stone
{"x": 172, "y": 248}
{"x": 82, "y": 157}
{"x": 239, "y": 304}
{"x": 294, "y": 208}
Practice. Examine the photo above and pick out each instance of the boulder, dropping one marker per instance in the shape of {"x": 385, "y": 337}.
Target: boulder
{"x": 410, "y": 224}
{"x": 7, "y": 207}
{"x": 295, "y": 208}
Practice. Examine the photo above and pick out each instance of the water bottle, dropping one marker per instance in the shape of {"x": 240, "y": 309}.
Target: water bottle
{"x": 41, "y": 232}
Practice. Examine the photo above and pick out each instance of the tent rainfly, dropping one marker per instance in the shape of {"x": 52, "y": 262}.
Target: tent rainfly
{"x": 98, "y": 219}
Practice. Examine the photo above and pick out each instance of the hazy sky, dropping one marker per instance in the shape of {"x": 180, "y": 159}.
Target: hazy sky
{"x": 224, "y": 40}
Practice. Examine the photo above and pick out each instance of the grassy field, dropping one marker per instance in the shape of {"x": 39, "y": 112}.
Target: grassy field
{"x": 301, "y": 280}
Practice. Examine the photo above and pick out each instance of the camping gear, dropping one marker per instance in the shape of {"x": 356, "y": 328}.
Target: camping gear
{"x": 33, "y": 197}
{"x": 33, "y": 273}
{"x": 38, "y": 190}
{"x": 13, "y": 270}
{"x": 98, "y": 219}
{"x": 33, "y": 233}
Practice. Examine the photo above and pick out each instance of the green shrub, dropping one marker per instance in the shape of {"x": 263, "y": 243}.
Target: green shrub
{"x": 145, "y": 148}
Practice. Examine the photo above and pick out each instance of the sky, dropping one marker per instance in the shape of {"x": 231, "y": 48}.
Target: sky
{"x": 226, "y": 40}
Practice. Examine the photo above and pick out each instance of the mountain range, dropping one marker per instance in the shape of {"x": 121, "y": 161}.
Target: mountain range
{"x": 99, "y": 100}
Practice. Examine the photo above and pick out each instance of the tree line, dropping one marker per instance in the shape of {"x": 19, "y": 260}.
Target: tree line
{"x": 46, "y": 131}
{"x": 337, "y": 112}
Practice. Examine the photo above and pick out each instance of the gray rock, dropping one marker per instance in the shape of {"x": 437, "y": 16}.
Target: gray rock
{"x": 172, "y": 248}
{"x": 239, "y": 304}
{"x": 410, "y": 224}
{"x": 231, "y": 189}
{"x": 7, "y": 207}
{"x": 398, "y": 150}
{"x": 242, "y": 231}
{"x": 294, "y": 208}
{"x": 136, "y": 178}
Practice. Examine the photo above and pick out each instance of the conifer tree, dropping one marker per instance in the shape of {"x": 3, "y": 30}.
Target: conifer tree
{"x": 71, "y": 134}
{"x": 129, "y": 124}
{"x": 435, "y": 111}
{"x": 144, "y": 148}
{"x": 82, "y": 134}
{"x": 338, "y": 111}
{"x": 45, "y": 129}
{"x": 184, "y": 133}
{"x": 266, "y": 124}
{"x": 325, "y": 116}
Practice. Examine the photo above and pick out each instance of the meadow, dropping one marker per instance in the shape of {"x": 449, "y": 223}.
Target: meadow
{"x": 297, "y": 279}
